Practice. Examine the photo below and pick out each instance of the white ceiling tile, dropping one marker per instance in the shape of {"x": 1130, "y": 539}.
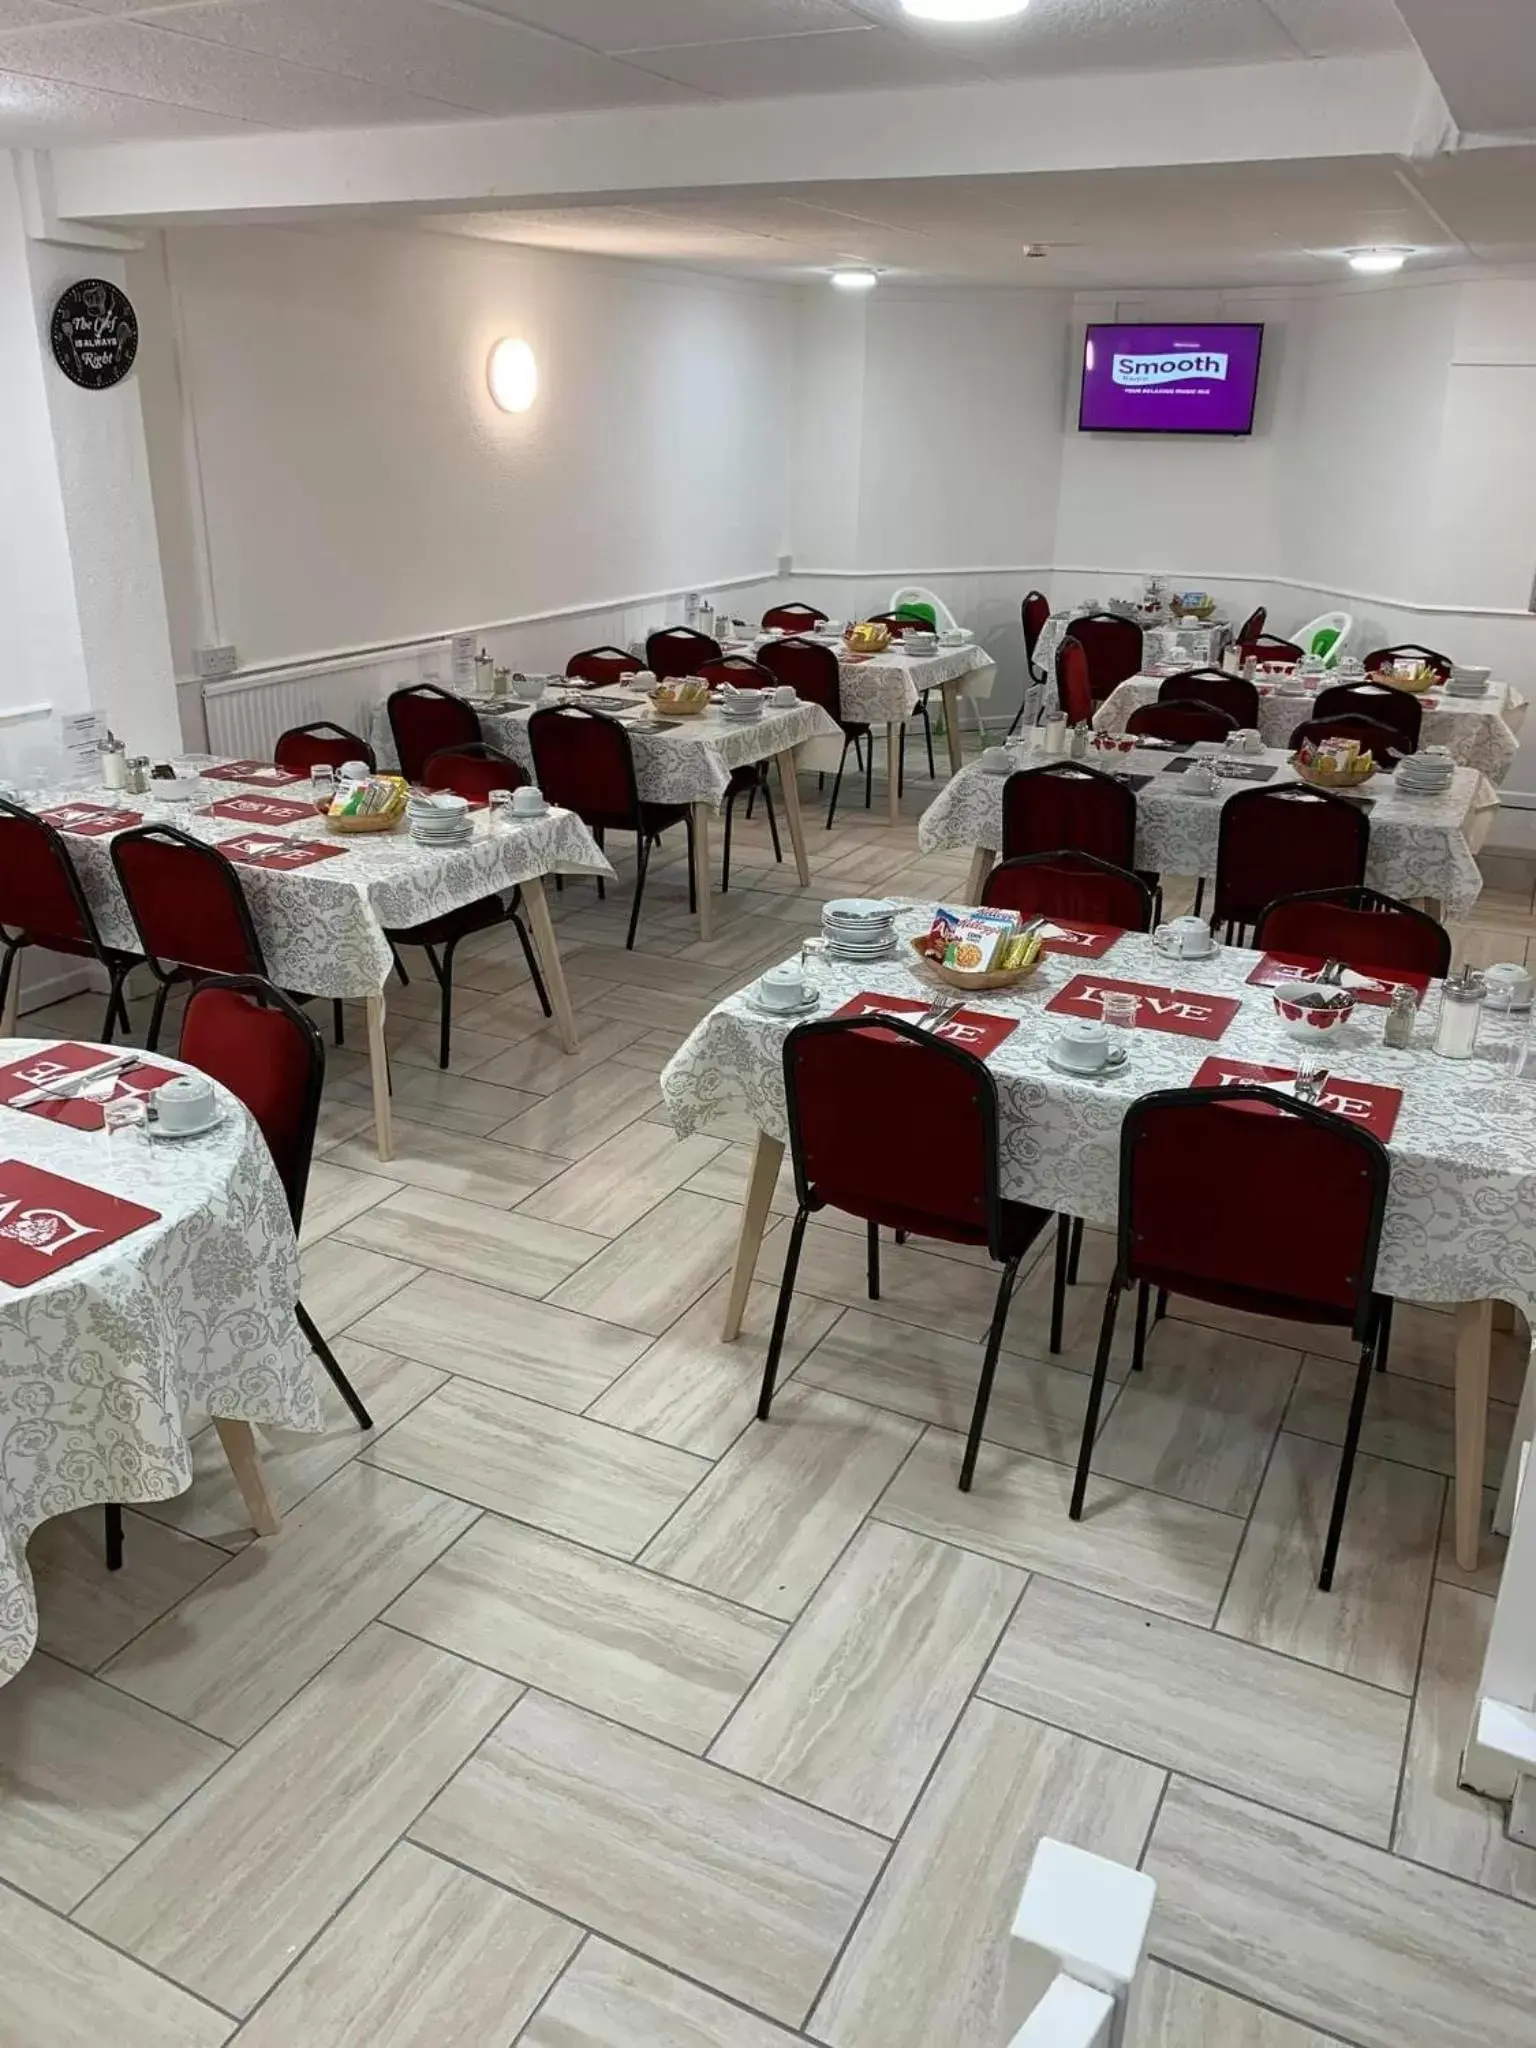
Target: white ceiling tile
{"x": 776, "y": 67}
{"x": 39, "y": 113}
{"x": 1337, "y": 28}
{"x": 1483, "y": 55}
{"x": 31, "y": 13}
{"x": 479, "y": 61}
{"x": 1061, "y": 36}
{"x": 664, "y": 24}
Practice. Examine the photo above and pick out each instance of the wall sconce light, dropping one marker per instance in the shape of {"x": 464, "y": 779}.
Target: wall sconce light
{"x": 513, "y": 375}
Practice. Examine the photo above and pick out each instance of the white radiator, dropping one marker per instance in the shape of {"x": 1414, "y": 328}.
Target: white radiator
{"x": 246, "y": 715}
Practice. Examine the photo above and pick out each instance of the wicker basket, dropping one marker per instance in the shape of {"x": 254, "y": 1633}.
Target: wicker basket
{"x": 371, "y": 821}
{"x": 1331, "y": 782}
{"x": 1417, "y": 685}
{"x": 960, "y": 977}
{"x": 670, "y": 708}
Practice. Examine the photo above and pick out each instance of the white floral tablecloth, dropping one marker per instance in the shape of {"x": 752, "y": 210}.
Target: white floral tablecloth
{"x": 1419, "y": 846}
{"x": 689, "y": 763}
{"x": 1478, "y": 731}
{"x": 1461, "y": 1220}
{"x": 322, "y": 927}
{"x": 100, "y": 1365}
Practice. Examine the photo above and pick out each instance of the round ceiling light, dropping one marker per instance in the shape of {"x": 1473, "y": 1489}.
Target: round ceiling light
{"x": 513, "y": 375}
{"x": 963, "y": 10}
{"x": 855, "y": 280}
{"x": 1377, "y": 262}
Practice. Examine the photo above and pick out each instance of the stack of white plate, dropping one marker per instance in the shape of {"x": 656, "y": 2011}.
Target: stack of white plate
{"x": 1467, "y": 682}
{"x": 859, "y": 927}
{"x": 1424, "y": 774}
{"x": 440, "y": 820}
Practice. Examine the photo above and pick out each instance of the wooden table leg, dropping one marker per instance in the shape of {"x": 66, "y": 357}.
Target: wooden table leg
{"x": 767, "y": 1157}
{"x": 981, "y": 867}
{"x": 245, "y": 1462}
{"x": 789, "y": 787}
{"x": 1474, "y": 1331}
{"x": 951, "y": 694}
{"x": 893, "y": 734}
{"x": 706, "y": 916}
{"x": 378, "y": 1070}
{"x": 548, "y": 952}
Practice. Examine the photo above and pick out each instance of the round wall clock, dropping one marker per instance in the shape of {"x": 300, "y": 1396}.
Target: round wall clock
{"x": 95, "y": 334}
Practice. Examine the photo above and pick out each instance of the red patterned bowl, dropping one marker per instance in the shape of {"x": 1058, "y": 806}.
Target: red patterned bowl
{"x": 1307, "y": 1013}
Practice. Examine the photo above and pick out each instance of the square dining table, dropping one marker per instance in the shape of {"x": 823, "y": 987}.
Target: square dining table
{"x": 1460, "y": 1225}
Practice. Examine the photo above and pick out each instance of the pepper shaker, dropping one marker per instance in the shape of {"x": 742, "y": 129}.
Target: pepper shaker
{"x": 1401, "y": 1016}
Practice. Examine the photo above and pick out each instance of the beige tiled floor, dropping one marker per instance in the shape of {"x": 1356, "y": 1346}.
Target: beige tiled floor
{"x": 572, "y": 1708}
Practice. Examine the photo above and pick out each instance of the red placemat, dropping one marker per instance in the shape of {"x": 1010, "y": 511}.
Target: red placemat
{"x": 265, "y": 773}
{"x": 1360, "y": 1102}
{"x": 260, "y": 810}
{"x": 977, "y": 1031}
{"x": 1184, "y": 1012}
{"x": 90, "y": 821}
{"x": 48, "y": 1222}
{"x": 1276, "y": 969}
{"x": 255, "y": 851}
{"x": 1086, "y": 941}
{"x": 44, "y": 1069}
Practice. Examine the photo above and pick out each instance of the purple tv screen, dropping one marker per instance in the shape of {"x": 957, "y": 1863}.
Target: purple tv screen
{"x": 1199, "y": 378}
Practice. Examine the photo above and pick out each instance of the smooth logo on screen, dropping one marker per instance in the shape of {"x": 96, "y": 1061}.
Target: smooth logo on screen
{"x": 1137, "y": 373}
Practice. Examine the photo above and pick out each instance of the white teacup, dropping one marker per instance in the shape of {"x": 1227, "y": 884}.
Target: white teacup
{"x": 996, "y": 761}
{"x": 1186, "y": 938}
{"x": 642, "y": 679}
{"x": 1083, "y": 1044}
{"x": 1509, "y": 984}
{"x": 1248, "y": 740}
{"x": 783, "y": 698}
{"x": 185, "y": 1104}
{"x": 528, "y": 801}
{"x": 953, "y": 636}
{"x": 782, "y": 988}
{"x": 1201, "y": 779}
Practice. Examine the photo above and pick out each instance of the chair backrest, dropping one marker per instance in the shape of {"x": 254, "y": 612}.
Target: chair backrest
{"x": 473, "y": 771}
{"x": 1248, "y": 1198}
{"x": 1253, "y": 625}
{"x": 40, "y": 893}
{"x": 1326, "y": 636}
{"x": 1033, "y": 613}
{"x": 793, "y": 618}
{"x": 584, "y": 763}
{"x": 1270, "y": 647}
{"x": 1273, "y": 842}
{"x": 424, "y": 719}
{"x": 1361, "y": 927}
{"x": 852, "y": 1149}
{"x": 810, "y": 670}
{"x": 1074, "y": 690}
{"x": 902, "y": 623}
{"x": 1233, "y": 694}
{"x": 915, "y": 597}
{"x": 1114, "y": 649}
{"x": 603, "y": 665}
{"x": 738, "y": 669}
{"x": 303, "y": 747}
{"x": 1184, "y": 722}
{"x": 258, "y": 1043}
{"x": 1066, "y": 804}
{"x": 186, "y": 901}
{"x": 1385, "y": 746}
{"x": 1396, "y": 708}
{"x": 1388, "y": 657}
{"x": 679, "y": 651}
{"x": 1070, "y": 885}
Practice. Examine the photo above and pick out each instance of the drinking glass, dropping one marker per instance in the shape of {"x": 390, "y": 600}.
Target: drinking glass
{"x": 1121, "y": 1009}
{"x": 322, "y": 782}
{"x": 125, "y": 1119}
{"x": 1504, "y": 1039}
{"x": 500, "y": 802}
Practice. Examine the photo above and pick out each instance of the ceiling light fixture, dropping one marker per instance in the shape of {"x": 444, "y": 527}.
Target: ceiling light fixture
{"x": 964, "y": 10}
{"x": 855, "y": 280}
{"x": 1377, "y": 262}
{"x": 513, "y": 375}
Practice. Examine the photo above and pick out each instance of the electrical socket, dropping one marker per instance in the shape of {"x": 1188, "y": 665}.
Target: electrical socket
{"x": 214, "y": 662}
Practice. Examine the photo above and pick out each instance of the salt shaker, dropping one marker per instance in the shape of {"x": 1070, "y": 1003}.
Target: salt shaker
{"x": 1079, "y": 745}
{"x": 1402, "y": 1014}
{"x": 1461, "y": 1007}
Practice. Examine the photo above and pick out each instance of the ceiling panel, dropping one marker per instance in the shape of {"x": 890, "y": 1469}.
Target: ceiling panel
{"x": 30, "y": 13}
{"x": 1339, "y": 28}
{"x": 775, "y": 67}
{"x": 1104, "y": 35}
{"x": 662, "y": 24}
{"x": 37, "y": 113}
{"x": 1483, "y": 55}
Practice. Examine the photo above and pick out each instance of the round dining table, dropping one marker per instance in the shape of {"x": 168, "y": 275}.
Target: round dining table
{"x": 110, "y": 1363}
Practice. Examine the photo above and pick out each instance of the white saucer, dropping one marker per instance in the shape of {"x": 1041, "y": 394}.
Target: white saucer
{"x": 812, "y": 1002}
{"x": 524, "y": 816}
{"x": 156, "y": 1129}
{"x": 857, "y": 956}
{"x": 1110, "y": 1066}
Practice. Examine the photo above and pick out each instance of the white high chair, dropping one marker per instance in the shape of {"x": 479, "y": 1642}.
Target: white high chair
{"x": 1341, "y": 623}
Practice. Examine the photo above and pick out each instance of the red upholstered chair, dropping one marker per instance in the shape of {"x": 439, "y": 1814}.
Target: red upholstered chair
{"x": 188, "y": 908}
{"x": 1361, "y": 927}
{"x": 42, "y": 903}
{"x": 603, "y": 665}
{"x": 739, "y": 670}
{"x": 811, "y": 670}
{"x": 1273, "y": 842}
{"x": 679, "y": 651}
{"x": 1253, "y": 626}
{"x": 1233, "y": 694}
{"x": 793, "y": 618}
{"x": 303, "y": 747}
{"x": 1033, "y": 614}
{"x": 1183, "y": 723}
{"x": 1268, "y": 647}
{"x": 842, "y": 1078}
{"x": 1300, "y": 1244}
{"x": 472, "y": 772}
{"x": 1067, "y": 804}
{"x": 1383, "y": 742}
{"x": 1388, "y": 657}
{"x": 1074, "y": 691}
{"x": 1070, "y": 885}
{"x": 584, "y": 762}
{"x": 751, "y": 781}
{"x": 424, "y": 720}
{"x": 1399, "y": 709}
{"x": 1114, "y": 649}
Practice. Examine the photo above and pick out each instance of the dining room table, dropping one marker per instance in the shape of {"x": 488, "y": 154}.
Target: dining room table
{"x": 1181, "y": 643}
{"x": 1460, "y": 1225}
{"x": 678, "y": 759}
{"x": 1422, "y": 848}
{"x": 146, "y": 1282}
{"x": 322, "y": 903}
{"x": 1477, "y": 732}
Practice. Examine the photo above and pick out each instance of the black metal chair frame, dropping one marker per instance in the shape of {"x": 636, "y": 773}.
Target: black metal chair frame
{"x": 119, "y": 965}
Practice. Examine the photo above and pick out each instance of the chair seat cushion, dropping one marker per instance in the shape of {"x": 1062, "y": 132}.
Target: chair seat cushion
{"x": 1022, "y": 1224}
{"x": 1256, "y": 1301}
{"x": 478, "y": 916}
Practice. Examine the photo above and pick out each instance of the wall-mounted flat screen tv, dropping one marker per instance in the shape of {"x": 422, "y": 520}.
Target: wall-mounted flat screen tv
{"x": 1200, "y": 377}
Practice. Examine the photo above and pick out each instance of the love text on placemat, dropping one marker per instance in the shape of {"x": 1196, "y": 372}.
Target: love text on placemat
{"x": 266, "y": 773}
{"x": 260, "y": 810}
{"x": 89, "y": 821}
{"x": 48, "y": 1222}
{"x": 977, "y": 1031}
{"x": 56, "y": 1067}
{"x": 1367, "y": 985}
{"x": 1186, "y": 1013}
{"x": 1366, "y": 1103}
{"x": 255, "y": 852}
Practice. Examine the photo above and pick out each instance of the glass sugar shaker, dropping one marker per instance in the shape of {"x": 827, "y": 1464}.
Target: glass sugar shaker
{"x": 1401, "y": 1017}
{"x": 1461, "y": 1008}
